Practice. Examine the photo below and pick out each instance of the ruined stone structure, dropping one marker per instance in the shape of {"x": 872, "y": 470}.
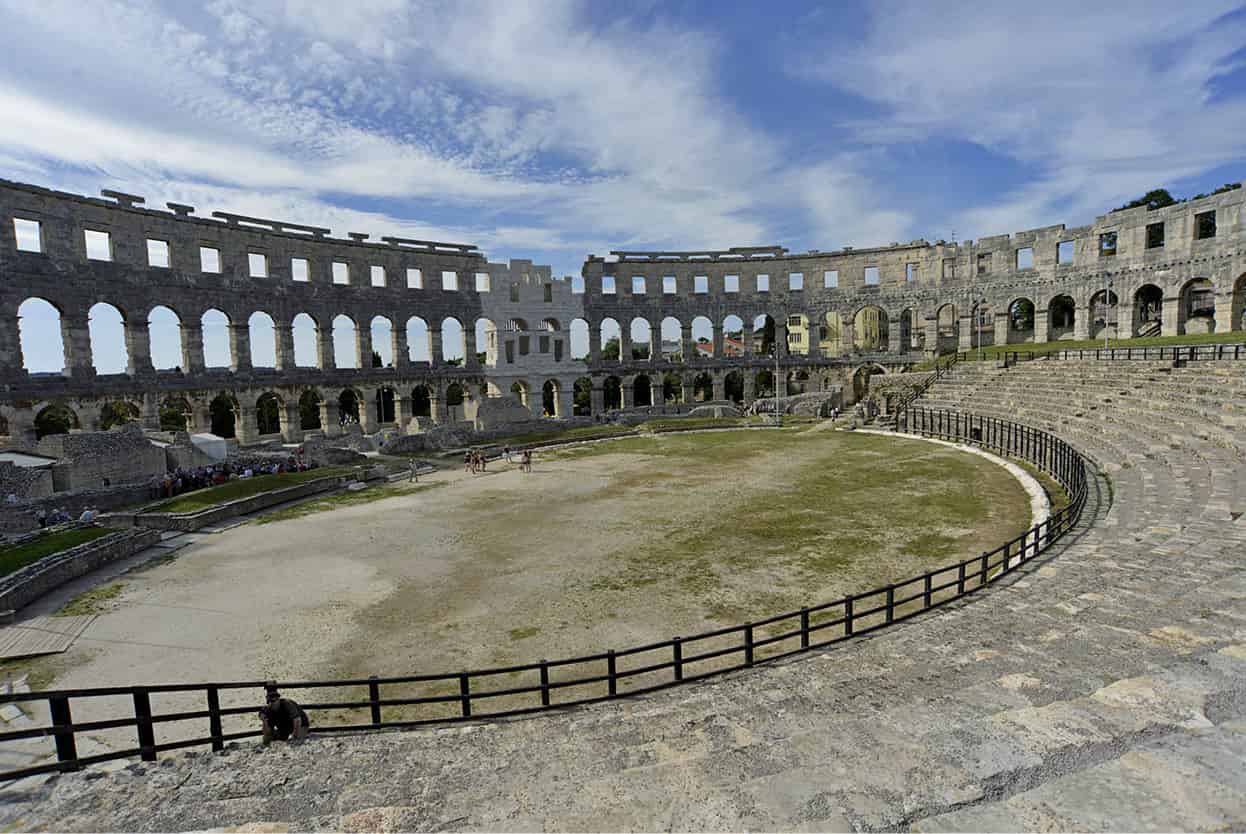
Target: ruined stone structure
{"x": 833, "y": 318}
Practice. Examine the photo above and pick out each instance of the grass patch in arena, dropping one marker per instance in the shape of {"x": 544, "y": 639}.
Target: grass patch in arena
{"x": 202, "y": 499}
{"x": 16, "y": 557}
{"x": 346, "y": 499}
{"x": 93, "y": 601}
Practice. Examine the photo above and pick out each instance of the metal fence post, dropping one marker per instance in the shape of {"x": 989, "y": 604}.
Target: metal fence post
{"x": 146, "y": 735}
{"x": 748, "y": 645}
{"x": 465, "y": 698}
{"x": 804, "y": 628}
{"x": 214, "y": 719}
{"x": 62, "y": 728}
{"x": 611, "y": 674}
{"x": 677, "y": 652}
{"x": 374, "y": 696}
{"x": 891, "y": 602}
{"x": 960, "y": 579}
{"x": 926, "y": 593}
{"x": 985, "y": 561}
{"x": 848, "y": 617}
{"x": 544, "y": 682}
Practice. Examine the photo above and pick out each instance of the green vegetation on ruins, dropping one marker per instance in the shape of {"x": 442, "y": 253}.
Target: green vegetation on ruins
{"x": 997, "y": 351}
{"x": 202, "y": 499}
{"x": 16, "y": 557}
{"x": 92, "y": 601}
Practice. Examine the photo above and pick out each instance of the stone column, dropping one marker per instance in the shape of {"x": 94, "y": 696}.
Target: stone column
{"x": 965, "y": 333}
{"x": 434, "y": 346}
{"x": 750, "y": 389}
{"x": 469, "y": 347}
{"x": 687, "y": 350}
{"x": 369, "y": 419}
{"x": 138, "y": 349}
{"x": 76, "y": 336}
{"x": 245, "y": 427}
{"x": 283, "y": 335}
{"x": 1081, "y": 322}
{"x": 326, "y": 357}
{"x": 1170, "y": 314}
{"x": 656, "y": 392}
{"x": 780, "y": 337}
{"x": 402, "y": 351}
{"x": 750, "y": 338}
{"x": 330, "y": 418}
{"x": 598, "y": 398}
{"x": 717, "y": 344}
{"x": 192, "y": 348}
{"x": 200, "y": 418}
{"x": 814, "y": 348}
{"x": 1224, "y": 312}
{"x": 720, "y": 387}
{"x": 626, "y": 387}
{"x": 151, "y": 411}
{"x": 437, "y": 403}
{"x": 291, "y": 422}
{"x": 687, "y": 389}
{"x": 10, "y": 349}
{"x": 625, "y": 343}
{"x": 240, "y": 346}
{"x": 1042, "y": 325}
{"x": 893, "y": 338}
{"x": 1001, "y": 328}
{"x": 363, "y": 344}
{"x": 565, "y": 401}
{"x": 594, "y": 346}
{"x": 402, "y": 411}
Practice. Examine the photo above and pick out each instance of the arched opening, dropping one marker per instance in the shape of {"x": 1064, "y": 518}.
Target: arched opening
{"x": 763, "y": 335}
{"x": 763, "y": 384}
{"x": 222, "y": 411}
{"x": 39, "y": 333}
{"x": 579, "y": 336}
{"x": 641, "y": 393}
{"x": 263, "y": 339}
{"x": 216, "y": 349}
{"x": 174, "y": 414}
{"x": 582, "y": 397}
{"x": 671, "y": 333}
{"x": 309, "y": 409}
{"x": 947, "y": 328}
{"x": 733, "y": 387}
{"x": 906, "y": 330}
{"x": 612, "y": 393}
{"x": 1103, "y": 314}
{"x": 549, "y": 399}
{"x": 797, "y": 335}
{"x": 107, "y": 329}
{"x": 641, "y": 335}
{"x": 268, "y": 414}
{"x": 382, "y": 342}
{"x": 1148, "y": 314}
{"x": 486, "y": 342}
{"x": 56, "y": 418}
{"x": 917, "y": 328}
{"x": 118, "y": 413}
{"x": 519, "y": 390}
{"x": 672, "y": 388}
{"x": 453, "y": 348}
{"x": 164, "y": 331}
{"x": 869, "y": 329}
{"x": 455, "y": 395}
{"x": 305, "y": 334}
{"x": 831, "y": 336}
{"x": 345, "y": 342}
{"x": 1238, "y": 321}
{"x": 1198, "y": 307}
{"x": 419, "y": 346}
{"x": 861, "y": 380}
{"x": 348, "y": 407}
{"x": 733, "y": 336}
{"x": 702, "y": 388}
{"x": 610, "y": 344}
{"x": 385, "y": 412}
{"x": 1062, "y": 312}
{"x": 1021, "y": 322}
{"x": 983, "y": 327}
{"x": 797, "y": 383}
{"x": 421, "y": 401}
{"x": 702, "y": 337}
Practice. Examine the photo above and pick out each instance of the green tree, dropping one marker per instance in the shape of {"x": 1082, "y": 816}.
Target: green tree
{"x": 172, "y": 418}
{"x": 1153, "y": 199}
{"x": 610, "y": 350}
{"x": 376, "y": 360}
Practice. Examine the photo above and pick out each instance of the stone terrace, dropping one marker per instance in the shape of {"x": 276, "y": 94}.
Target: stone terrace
{"x": 1104, "y": 686}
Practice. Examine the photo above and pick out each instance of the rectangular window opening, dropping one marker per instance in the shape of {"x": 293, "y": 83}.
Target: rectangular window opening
{"x": 700, "y": 284}
{"x": 984, "y": 263}
{"x": 910, "y": 272}
{"x": 731, "y": 283}
{"x": 341, "y": 273}
{"x": 514, "y": 292}
{"x": 1064, "y": 252}
{"x": 1025, "y": 257}
{"x": 257, "y": 264}
{"x": 415, "y": 279}
{"x": 299, "y": 270}
{"x": 99, "y": 245}
{"x": 795, "y": 281}
{"x": 669, "y": 286}
{"x": 638, "y": 285}
{"x": 830, "y": 279}
{"x": 949, "y": 268}
{"x": 763, "y": 283}
{"x": 607, "y": 285}
{"x": 577, "y": 285}
{"x": 1107, "y": 244}
{"x": 158, "y": 253}
{"x": 548, "y": 289}
{"x": 872, "y": 278}
{"x": 377, "y": 274}
{"x": 450, "y": 281}
{"x": 29, "y": 234}
{"x": 209, "y": 260}
{"x": 1154, "y": 235}
{"x": 482, "y": 282}
{"x": 1205, "y": 225}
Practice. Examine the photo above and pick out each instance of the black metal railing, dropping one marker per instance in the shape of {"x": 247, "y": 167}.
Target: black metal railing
{"x": 227, "y": 711}
{"x": 1164, "y": 353}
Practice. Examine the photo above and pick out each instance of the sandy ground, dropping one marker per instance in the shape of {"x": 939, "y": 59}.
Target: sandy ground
{"x": 606, "y": 547}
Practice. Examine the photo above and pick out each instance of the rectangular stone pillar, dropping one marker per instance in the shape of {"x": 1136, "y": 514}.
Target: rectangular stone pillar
{"x": 780, "y": 338}
{"x": 625, "y": 343}
{"x": 717, "y": 345}
{"x": 283, "y": 336}
{"x": 893, "y": 338}
{"x": 330, "y": 418}
{"x": 1001, "y": 328}
{"x": 965, "y": 333}
{"x": 469, "y": 347}
{"x": 434, "y": 346}
{"x": 402, "y": 351}
{"x": 625, "y": 393}
{"x": 291, "y": 423}
{"x": 245, "y": 427}
{"x": 598, "y": 399}
{"x": 1042, "y": 324}
{"x": 687, "y": 350}
{"x": 240, "y": 347}
{"x": 76, "y": 337}
{"x": 932, "y": 336}
{"x": 1081, "y": 322}
{"x": 720, "y": 387}
{"x": 687, "y": 390}
{"x": 369, "y": 420}
{"x": 594, "y": 347}
{"x": 326, "y": 357}
{"x": 749, "y": 387}
{"x": 138, "y": 349}
{"x": 814, "y": 347}
{"x": 656, "y": 392}
{"x": 1172, "y": 309}
{"x": 565, "y": 402}
{"x": 363, "y": 344}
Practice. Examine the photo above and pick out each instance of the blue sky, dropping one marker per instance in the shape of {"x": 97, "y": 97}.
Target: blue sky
{"x": 550, "y": 130}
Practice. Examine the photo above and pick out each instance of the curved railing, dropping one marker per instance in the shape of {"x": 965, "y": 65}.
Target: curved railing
{"x": 414, "y": 700}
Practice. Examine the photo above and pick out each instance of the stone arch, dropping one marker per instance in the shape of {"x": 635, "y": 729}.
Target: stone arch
{"x": 982, "y": 324}
{"x": 702, "y": 337}
{"x": 612, "y": 393}
{"x": 641, "y": 334}
{"x": 263, "y": 337}
{"x": 830, "y": 334}
{"x": 39, "y": 334}
{"x": 670, "y": 340}
{"x": 906, "y": 329}
{"x": 175, "y": 414}
{"x": 381, "y": 330}
{"x": 55, "y": 418}
{"x": 1021, "y": 316}
{"x": 453, "y": 343}
{"x": 223, "y": 412}
{"x": 610, "y": 337}
{"x": 520, "y": 391}
{"x": 763, "y": 335}
{"x": 1148, "y": 311}
{"x": 870, "y": 329}
{"x": 1103, "y": 314}
{"x": 582, "y": 397}
{"x": 349, "y": 404}
{"x": 305, "y": 336}
{"x": 118, "y": 413}
{"x": 309, "y": 409}
{"x": 580, "y": 339}
{"x": 486, "y": 342}
{"x": 106, "y": 325}
{"x": 1238, "y": 304}
{"x": 550, "y": 325}
{"x": 549, "y": 398}
{"x": 421, "y": 401}
{"x": 164, "y": 332}
{"x": 733, "y": 335}
{"x": 268, "y": 408}
{"x": 217, "y": 352}
{"x": 345, "y": 342}
{"x": 733, "y": 386}
{"x": 1061, "y": 317}
{"x": 455, "y": 397}
{"x": 386, "y": 411}
{"x": 1197, "y": 311}
{"x": 861, "y": 380}
{"x": 672, "y": 388}
{"x": 642, "y": 394}
{"x": 947, "y": 329}
{"x": 419, "y": 343}
{"x": 797, "y": 382}
{"x": 702, "y": 387}
{"x": 763, "y": 383}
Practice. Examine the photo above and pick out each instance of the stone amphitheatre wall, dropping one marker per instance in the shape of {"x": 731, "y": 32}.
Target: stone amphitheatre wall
{"x": 1176, "y": 270}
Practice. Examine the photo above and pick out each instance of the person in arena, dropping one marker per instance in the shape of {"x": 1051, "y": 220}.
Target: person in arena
{"x": 282, "y": 718}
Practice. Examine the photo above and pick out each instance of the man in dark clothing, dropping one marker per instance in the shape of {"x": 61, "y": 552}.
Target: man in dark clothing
{"x": 283, "y": 719}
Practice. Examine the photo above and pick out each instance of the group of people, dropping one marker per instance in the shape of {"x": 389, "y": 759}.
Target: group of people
{"x": 475, "y": 461}
{"x": 59, "y": 516}
{"x": 182, "y": 480}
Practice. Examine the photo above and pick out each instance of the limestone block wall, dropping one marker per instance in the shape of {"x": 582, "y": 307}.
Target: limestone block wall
{"x": 24, "y": 586}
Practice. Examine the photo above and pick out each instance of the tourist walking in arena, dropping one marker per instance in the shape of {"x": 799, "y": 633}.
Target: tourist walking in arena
{"x": 415, "y": 472}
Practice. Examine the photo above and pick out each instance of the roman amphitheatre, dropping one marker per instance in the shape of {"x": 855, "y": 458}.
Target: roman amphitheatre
{"x": 934, "y": 535}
